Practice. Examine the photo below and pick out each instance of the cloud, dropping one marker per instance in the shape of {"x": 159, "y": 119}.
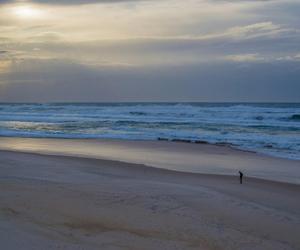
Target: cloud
{"x": 293, "y": 57}
{"x": 240, "y": 44}
{"x": 253, "y": 31}
{"x": 245, "y": 58}
{"x": 47, "y": 36}
{"x": 4, "y": 65}
{"x": 66, "y": 2}
{"x": 74, "y": 2}
{"x": 49, "y": 80}
{"x": 199, "y": 49}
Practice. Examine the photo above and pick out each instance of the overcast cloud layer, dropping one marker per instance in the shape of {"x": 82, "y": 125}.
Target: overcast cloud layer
{"x": 169, "y": 50}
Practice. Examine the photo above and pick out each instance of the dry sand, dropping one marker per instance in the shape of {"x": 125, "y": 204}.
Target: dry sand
{"x": 64, "y": 202}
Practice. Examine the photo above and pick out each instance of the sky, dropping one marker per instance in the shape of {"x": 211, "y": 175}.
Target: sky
{"x": 150, "y": 50}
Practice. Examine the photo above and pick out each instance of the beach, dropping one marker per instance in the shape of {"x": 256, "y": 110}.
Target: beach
{"x": 178, "y": 156}
{"x": 149, "y": 125}
{"x": 73, "y": 194}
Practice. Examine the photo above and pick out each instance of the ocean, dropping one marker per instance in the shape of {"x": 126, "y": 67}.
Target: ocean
{"x": 269, "y": 128}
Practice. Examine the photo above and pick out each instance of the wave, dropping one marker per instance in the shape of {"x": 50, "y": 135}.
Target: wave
{"x": 259, "y": 127}
{"x": 259, "y": 118}
{"x": 138, "y": 113}
{"x": 295, "y": 117}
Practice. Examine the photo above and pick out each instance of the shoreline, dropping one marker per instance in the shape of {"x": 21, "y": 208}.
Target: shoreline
{"x": 163, "y": 139}
{"x": 179, "y": 156}
{"x": 147, "y": 168}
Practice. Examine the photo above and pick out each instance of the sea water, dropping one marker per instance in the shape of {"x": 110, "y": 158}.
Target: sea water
{"x": 270, "y": 128}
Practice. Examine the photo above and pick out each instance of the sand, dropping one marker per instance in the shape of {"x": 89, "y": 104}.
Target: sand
{"x": 67, "y": 202}
{"x": 186, "y": 157}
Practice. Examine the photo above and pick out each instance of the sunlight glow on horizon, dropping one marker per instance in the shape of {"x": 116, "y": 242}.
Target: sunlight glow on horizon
{"x": 27, "y": 12}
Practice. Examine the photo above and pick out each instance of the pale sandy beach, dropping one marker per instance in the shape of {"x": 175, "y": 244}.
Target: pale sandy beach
{"x": 179, "y": 156}
{"x": 66, "y": 202}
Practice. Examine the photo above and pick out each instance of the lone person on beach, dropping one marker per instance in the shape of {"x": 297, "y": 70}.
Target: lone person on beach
{"x": 241, "y": 177}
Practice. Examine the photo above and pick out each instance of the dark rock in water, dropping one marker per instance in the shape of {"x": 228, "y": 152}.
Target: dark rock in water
{"x": 201, "y": 142}
{"x": 268, "y": 146}
{"x": 259, "y": 118}
{"x": 182, "y": 140}
{"x": 162, "y": 139}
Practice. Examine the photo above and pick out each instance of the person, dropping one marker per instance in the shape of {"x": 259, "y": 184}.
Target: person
{"x": 241, "y": 177}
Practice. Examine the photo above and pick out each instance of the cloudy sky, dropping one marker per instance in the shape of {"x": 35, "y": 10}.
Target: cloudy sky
{"x": 149, "y": 50}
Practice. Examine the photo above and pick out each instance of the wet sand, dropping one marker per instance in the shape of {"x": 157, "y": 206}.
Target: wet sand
{"x": 179, "y": 156}
{"x": 65, "y": 202}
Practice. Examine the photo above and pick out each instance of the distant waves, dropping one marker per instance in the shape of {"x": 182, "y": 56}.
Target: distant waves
{"x": 269, "y": 128}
